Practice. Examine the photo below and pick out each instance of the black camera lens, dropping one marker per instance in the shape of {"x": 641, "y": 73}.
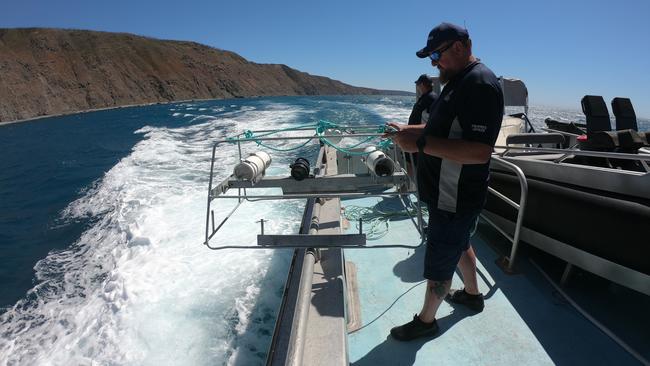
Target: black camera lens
{"x": 300, "y": 169}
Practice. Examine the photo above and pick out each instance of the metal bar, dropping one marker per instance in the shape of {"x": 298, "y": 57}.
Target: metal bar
{"x": 417, "y": 194}
{"x": 277, "y": 354}
{"x": 503, "y": 232}
{"x": 306, "y": 195}
{"x": 207, "y": 213}
{"x": 561, "y": 158}
{"x": 207, "y": 241}
{"x": 334, "y": 183}
{"x": 645, "y": 166}
{"x": 312, "y": 241}
{"x": 296, "y": 345}
{"x": 522, "y": 206}
{"x": 295, "y": 137}
{"x": 418, "y": 228}
{"x": 503, "y": 197}
{"x": 560, "y": 132}
{"x": 258, "y": 247}
{"x": 566, "y": 274}
{"x": 299, "y": 330}
{"x": 600, "y": 154}
{"x": 312, "y": 128}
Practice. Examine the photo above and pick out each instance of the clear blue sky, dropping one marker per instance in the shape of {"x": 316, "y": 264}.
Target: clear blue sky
{"x": 561, "y": 49}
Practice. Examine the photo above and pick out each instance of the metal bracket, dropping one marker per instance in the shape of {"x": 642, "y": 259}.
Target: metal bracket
{"x": 312, "y": 241}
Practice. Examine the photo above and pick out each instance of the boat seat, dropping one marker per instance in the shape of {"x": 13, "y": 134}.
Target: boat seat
{"x": 535, "y": 138}
{"x": 628, "y": 141}
{"x": 624, "y": 113}
{"x": 595, "y": 110}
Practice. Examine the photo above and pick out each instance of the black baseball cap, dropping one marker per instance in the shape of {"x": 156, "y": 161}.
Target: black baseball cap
{"x": 424, "y": 79}
{"x": 440, "y": 34}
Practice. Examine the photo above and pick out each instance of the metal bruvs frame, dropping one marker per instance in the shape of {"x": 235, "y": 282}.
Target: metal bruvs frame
{"x": 318, "y": 186}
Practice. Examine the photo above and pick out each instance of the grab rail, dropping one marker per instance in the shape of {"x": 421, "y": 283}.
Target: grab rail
{"x": 599, "y": 154}
{"x": 507, "y": 263}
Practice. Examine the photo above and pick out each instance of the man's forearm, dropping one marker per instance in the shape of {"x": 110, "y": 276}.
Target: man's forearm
{"x": 414, "y": 128}
{"x": 461, "y": 151}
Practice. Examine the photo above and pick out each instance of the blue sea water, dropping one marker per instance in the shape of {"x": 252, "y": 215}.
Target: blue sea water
{"x": 101, "y": 224}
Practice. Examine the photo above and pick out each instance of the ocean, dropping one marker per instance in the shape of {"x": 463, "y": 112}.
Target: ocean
{"x": 102, "y": 220}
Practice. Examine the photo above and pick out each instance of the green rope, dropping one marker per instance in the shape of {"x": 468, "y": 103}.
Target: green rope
{"x": 321, "y": 127}
{"x": 324, "y": 125}
{"x": 377, "y": 222}
{"x": 260, "y": 143}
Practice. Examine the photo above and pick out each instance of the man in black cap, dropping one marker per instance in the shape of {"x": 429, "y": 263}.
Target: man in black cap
{"x": 420, "y": 113}
{"x": 454, "y": 150}
{"x": 425, "y": 97}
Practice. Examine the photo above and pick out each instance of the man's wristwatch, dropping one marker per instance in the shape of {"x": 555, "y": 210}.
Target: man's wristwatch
{"x": 420, "y": 142}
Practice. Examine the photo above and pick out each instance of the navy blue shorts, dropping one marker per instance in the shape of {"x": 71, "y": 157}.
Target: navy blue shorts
{"x": 447, "y": 238}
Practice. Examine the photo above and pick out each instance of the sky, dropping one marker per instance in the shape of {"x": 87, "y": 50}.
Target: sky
{"x": 562, "y": 50}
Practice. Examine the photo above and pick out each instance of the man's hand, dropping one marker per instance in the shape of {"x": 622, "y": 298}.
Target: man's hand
{"x": 405, "y": 140}
{"x": 400, "y": 127}
{"x": 392, "y": 128}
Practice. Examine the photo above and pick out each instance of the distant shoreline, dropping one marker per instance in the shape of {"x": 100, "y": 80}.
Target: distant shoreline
{"x": 639, "y": 118}
{"x": 100, "y": 109}
{"x": 172, "y": 102}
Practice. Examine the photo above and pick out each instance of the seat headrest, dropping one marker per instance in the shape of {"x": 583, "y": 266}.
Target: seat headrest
{"x": 623, "y": 107}
{"x": 624, "y": 112}
{"x": 594, "y": 105}
{"x": 596, "y": 113}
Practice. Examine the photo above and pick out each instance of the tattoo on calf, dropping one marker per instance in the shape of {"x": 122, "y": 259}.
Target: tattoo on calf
{"x": 438, "y": 288}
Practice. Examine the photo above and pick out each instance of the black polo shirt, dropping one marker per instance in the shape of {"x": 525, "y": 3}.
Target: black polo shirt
{"x": 470, "y": 107}
{"x": 421, "y": 105}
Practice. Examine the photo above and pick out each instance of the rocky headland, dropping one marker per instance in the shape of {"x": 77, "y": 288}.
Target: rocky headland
{"x": 56, "y": 71}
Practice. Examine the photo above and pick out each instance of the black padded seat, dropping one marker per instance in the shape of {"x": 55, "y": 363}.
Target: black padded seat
{"x": 595, "y": 110}
{"x": 624, "y": 112}
{"x": 628, "y": 141}
{"x": 535, "y": 138}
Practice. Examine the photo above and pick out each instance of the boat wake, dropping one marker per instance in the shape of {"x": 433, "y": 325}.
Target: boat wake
{"x": 138, "y": 287}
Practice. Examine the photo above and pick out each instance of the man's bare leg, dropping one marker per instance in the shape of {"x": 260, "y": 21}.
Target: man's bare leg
{"x": 467, "y": 267}
{"x": 436, "y": 292}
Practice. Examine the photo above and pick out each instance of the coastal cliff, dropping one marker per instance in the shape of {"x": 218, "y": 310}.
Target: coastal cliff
{"x": 55, "y": 71}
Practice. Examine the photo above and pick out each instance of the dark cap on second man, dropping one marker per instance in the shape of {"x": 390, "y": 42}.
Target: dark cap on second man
{"x": 424, "y": 79}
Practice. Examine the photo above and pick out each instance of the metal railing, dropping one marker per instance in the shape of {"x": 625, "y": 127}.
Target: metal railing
{"x": 598, "y": 154}
{"x": 507, "y": 263}
{"x": 566, "y": 153}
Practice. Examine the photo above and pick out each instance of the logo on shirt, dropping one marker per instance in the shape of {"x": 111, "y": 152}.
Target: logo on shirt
{"x": 479, "y": 128}
{"x": 448, "y": 96}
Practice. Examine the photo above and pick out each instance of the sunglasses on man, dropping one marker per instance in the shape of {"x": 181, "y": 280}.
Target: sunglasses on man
{"x": 435, "y": 55}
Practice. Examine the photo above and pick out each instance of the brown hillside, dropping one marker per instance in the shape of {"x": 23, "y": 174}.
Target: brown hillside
{"x": 53, "y": 71}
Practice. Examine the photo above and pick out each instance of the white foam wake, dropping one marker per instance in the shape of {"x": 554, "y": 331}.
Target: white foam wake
{"x": 138, "y": 288}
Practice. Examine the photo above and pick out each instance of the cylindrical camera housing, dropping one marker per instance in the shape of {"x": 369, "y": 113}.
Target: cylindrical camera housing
{"x": 378, "y": 162}
{"x": 300, "y": 169}
{"x": 253, "y": 167}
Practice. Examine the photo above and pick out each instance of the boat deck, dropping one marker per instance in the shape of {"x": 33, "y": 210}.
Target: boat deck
{"x": 525, "y": 320}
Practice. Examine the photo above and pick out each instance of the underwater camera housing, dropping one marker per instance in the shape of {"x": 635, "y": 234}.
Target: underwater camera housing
{"x": 300, "y": 169}
{"x": 253, "y": 167}
{"x": 378, "y": 162}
